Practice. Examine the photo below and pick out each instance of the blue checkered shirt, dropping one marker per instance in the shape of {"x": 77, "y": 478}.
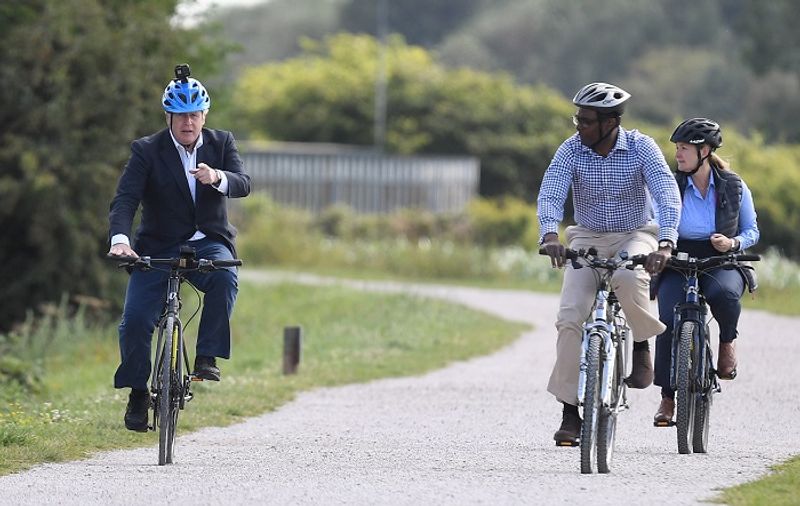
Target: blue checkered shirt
{"x": 613, "y": 193}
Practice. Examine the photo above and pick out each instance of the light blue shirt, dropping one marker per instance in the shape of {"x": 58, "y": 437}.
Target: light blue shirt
{"x": 698, "y": 219}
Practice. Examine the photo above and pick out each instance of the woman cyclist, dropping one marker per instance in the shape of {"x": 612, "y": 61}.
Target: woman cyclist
{"x": 717, "y": 216}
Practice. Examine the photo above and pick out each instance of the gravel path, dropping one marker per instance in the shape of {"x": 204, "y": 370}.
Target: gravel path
{"x": 476, "y": 432}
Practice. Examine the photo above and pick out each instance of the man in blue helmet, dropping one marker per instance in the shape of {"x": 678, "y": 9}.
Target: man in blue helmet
{"x": 182, "y": 177}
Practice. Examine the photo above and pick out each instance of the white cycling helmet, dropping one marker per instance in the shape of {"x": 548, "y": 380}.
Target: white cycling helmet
{"x": 603, "y": 97}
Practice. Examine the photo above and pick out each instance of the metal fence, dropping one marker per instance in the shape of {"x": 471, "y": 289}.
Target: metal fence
{"x": 310, "y": 178}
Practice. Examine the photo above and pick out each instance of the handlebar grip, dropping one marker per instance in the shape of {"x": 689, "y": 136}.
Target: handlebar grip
{"x": 228, "y": 263}
{"x": 121, "y": 258}
{"x": 571, "y": 254}
{"x": 748, "y": 258}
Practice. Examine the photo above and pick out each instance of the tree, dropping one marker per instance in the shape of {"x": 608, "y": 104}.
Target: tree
{"x": 422, "y": 22}
{"x": 326, "y": 95}
{"x": 79, "y": 81}
{"x": 769, "y": 35}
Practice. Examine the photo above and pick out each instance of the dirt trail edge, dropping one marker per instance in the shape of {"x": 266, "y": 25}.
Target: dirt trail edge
{"x": 475, "y": 432}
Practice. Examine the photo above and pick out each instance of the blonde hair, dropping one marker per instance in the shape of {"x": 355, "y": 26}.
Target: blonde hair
{"x": 719, "y": 162}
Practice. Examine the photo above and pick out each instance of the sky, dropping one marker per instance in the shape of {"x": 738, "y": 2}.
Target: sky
{"x": 192, "y": 9}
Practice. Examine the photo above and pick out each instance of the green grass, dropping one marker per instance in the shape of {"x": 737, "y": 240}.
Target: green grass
{"x": 780, "y": 488}
{"x": 348, "y": 336}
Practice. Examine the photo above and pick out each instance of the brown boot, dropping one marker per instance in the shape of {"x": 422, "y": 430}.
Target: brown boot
{"x": 569, "y": 432}
{"x": 642, "y": 373}
{"x": 665, "y": 412}
{"x": 726, "y": 362}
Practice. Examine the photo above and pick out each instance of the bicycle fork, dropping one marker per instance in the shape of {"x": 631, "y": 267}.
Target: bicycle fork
{"x": 604, "y": 329}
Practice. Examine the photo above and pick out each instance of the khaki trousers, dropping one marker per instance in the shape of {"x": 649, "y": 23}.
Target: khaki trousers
{"x": 578, "y": 294}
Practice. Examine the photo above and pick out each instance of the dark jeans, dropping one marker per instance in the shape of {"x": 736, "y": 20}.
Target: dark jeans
{"x": 722, "y": 289}
{"x": 144, "y": 302}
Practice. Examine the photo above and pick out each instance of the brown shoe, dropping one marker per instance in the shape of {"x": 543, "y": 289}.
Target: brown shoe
{"x": 726, "y": 362}
{"x": 642, "y": 373}
{"x": 569, "y": 432}
{"x": 665, "y": 412}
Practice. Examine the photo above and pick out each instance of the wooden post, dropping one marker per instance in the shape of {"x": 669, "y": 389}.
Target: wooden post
{"x": 292, "y": 340}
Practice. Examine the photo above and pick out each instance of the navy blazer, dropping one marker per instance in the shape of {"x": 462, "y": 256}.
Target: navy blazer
{"x": 154, "y": 177}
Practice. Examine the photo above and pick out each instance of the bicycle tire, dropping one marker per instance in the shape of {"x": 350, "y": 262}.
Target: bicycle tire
{"x": 176, "y": 390}
{"x": 164, "y": 416}
{"x": 703, "y": 401}
{"x": 591, "y": 406}
{"x": 607, "y": 424}
{"x": 684, "y": 395}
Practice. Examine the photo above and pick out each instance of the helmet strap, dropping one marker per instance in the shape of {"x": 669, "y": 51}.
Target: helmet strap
{"x": 700, "y": 160}
{"x": 603, "y": 136}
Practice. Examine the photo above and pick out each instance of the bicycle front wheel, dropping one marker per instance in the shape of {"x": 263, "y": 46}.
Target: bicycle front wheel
{"x": 591, "y": 406}
{"x": 684, "y": 386}
{"x": 702, "y": 406}
{"x": 167, "y": 415}
{"x": 607, "y": 423}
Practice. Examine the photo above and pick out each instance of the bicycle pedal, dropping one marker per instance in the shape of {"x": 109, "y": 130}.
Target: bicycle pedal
{"x": 671, "y": 423}
{"x": 195, "y": 378}
{"x": 567, "y": 443}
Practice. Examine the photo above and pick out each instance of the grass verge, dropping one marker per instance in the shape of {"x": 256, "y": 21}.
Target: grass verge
{"x": 349, "y": 336}
{"x": 781, "y": 488}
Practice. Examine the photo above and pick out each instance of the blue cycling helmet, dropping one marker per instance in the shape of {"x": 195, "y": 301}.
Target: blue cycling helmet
{"x": 185, "y": 94}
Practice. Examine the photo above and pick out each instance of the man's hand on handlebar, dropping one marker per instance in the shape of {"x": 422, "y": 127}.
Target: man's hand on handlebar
{"x": 657, "y": 260}
{"x": 555, "y": 250}
{"x": 122, "y": 250}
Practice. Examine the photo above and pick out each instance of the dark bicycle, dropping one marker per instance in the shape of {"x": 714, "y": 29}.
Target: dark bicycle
{"x": 605, "y": 354}
{"x": 692, "y": 373}
{"x": 170, "y": 385}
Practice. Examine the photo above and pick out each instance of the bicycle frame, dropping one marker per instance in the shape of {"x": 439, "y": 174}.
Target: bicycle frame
{"x": 694, "y": 309}
{"x": 172, "y": 307}
{"x": 613, "y": 335}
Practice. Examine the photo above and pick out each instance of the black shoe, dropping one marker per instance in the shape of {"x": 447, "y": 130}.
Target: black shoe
{"x": 569, "y": 432}
{"x": 206, "y": 368}
{"x": 136, "y": 412}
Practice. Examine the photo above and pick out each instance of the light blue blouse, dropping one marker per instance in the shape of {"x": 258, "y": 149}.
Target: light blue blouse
{"x": 698, "y": 215}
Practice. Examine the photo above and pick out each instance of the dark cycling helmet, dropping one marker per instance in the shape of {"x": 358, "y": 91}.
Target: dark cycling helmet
{"x": 602, "y": 97}
{"x": 698, "y": 131}
{"x": 184, "y": 93}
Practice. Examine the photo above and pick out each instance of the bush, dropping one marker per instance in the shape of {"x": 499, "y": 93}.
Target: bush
{"x": 502, "y": 222}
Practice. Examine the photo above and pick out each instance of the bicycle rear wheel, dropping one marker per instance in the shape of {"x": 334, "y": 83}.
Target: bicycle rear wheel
{"x": 684, "y": 377}
{"x": 591, "y": 406}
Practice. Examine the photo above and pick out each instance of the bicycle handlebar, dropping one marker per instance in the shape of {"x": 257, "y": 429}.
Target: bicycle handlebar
{"x": 184, "y": 264}
{"x": 683, "y": 261}
{"x": 590, "y": 255}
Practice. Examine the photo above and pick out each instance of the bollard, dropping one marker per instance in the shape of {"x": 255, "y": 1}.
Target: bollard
{"x": 292, "y": 340}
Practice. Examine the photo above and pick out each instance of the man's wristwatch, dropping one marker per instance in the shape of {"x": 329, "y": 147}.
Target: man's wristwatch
{"x": 666, "y": 243}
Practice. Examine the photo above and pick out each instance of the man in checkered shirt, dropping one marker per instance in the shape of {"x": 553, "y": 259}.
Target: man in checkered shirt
{"x": 614, "y": 175}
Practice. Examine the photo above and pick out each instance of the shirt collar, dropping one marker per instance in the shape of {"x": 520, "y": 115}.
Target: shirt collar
{"x": 621, "y": 144}
{"x": 180, "y": 147}
{"x": 710, "y": 182}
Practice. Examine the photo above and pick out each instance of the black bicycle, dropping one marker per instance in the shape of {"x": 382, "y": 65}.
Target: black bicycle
{"x": 692, "y": 373}
{"x": 170, "y": 385}
{"x": 605, "y": 355}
